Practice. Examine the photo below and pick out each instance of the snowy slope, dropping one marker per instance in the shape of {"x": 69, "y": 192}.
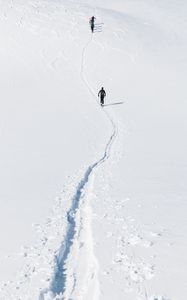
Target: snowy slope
{"x": 117, "y": 229}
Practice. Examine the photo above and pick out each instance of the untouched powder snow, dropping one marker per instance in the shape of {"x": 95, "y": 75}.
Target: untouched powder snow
{"x": 117, "y": 227}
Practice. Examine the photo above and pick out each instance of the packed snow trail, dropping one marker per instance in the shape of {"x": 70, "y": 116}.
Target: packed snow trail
{"x": 130, "y": 225}
{"x": 60, "y": 278}
{"x": 89, "y": 87}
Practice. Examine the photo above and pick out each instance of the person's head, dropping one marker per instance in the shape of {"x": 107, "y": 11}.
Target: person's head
{"x": 102, "y": 88}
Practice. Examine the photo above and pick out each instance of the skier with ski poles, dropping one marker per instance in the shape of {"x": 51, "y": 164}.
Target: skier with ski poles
{"x": 102, "y": 95}
{"x": 92, "y": 23}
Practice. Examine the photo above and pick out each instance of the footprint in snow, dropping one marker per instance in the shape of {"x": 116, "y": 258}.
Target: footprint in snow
{"x": 138, "y": 240}
{"x": 141, "y": 272}
{"x": 158, "y": 298}
{"x": 147, "y": 244}
{"x": 155, "y": 234}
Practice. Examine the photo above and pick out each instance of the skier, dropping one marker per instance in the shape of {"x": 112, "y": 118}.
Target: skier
{"x": 92, "y": 23}
{"x": 102, "y": 95}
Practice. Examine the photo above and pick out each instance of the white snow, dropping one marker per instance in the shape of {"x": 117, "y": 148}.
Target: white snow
{"x": 93, "y": 200}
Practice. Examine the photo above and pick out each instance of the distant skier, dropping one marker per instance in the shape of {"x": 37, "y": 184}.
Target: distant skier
{"x": 102, "y": 95}
{"x": 92, "y": 23}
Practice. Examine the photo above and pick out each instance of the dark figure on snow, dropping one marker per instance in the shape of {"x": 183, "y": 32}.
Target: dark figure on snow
{"x": 92, "y": 23}
{"x": 102, "y": 95}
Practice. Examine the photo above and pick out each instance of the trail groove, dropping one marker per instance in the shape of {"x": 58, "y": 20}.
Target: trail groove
{"x": 59, "y": 284}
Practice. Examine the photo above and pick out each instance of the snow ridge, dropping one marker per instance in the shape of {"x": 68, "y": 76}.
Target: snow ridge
{"x": 58, "y": 284}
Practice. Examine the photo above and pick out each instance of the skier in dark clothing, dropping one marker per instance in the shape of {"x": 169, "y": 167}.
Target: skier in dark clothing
{"x": 102, "y": 95}
{"x": 92, "y": 23}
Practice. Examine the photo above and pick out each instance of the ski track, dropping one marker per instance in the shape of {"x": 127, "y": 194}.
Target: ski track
{"x": 66, "y": 281}
{"x": 59, "y": 283}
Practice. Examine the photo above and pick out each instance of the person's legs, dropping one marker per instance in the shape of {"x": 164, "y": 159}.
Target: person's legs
{"x": 102, "y": 100}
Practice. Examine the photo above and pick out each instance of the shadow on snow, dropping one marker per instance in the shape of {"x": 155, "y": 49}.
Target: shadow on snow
{"x": 115, "y": 103}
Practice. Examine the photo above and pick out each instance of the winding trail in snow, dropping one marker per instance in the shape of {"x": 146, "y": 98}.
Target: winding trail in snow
{"x": 59, "y": 284}
{"x": 92, "y": 92}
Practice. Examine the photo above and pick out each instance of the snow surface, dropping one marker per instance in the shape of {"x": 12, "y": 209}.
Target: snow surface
{"x": 93, "y": 200}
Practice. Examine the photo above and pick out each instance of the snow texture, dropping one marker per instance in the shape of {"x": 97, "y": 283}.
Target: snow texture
{"x": 117, "y": 227}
